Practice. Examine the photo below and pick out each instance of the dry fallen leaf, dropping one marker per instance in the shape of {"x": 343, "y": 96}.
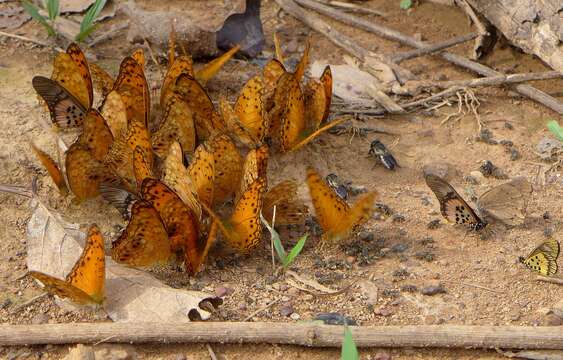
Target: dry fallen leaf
{"x": 54, "y": 245}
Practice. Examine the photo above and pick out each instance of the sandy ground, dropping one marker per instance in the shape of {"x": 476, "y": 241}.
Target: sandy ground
{"x": 393, "y": 258}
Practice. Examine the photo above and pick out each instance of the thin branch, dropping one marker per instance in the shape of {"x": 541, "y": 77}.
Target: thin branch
{"x": 110, "y": 34}
{"x": 16, "y": 189}
{"x": 305, "y": 334}
{"x": 265, "y": 307}
{"x": 28, "y": 302}
{"x": 433, "y": 48}
{"x": 34, "y": 41}
{"x": 552, "y": 280}
{"x": 353, "y": 7}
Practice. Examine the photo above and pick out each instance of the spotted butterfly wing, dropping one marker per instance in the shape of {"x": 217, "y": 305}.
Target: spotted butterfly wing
{"x": 336, "y": 217}
{"x": 66, "y": 111}
{"x": 543, "y": 259}
{"x": 452, "y": 206}
{"x": 144, "y": 242}
{"x": 70, "y": 69}
{"x": 85, "y": 283}
{"x": 52, "y": 168}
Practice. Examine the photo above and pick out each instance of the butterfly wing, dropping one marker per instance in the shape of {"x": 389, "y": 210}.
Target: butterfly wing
{"x": 79, "y": 59}
{"x": 315, "y": 104}
{"x": 543, "y": 259}
{"x": 271, "y": 73}
{"x": 452, "y": 206}
{"x": 96, "y": 135}
{"x": 506, "y": 202}
{"x": 329, "y": 207}
{"x": 141, "y": 166}
{"x": 249, "y": 108}
{"x": 89, "y": 272}
{"x": 180, "y": 222}
{"x": 83, "y": 171}
{"x": 103, "y": 82}
{"x": 62, "y": 288}
{"x": 144, "y": 242}
{"x": 113, "y": 110}
{"x": 202, "y": 174}
{"x": 177, "y": 177}
{"x": 210, "y": 69}
{"x": 255, "y": 166}
{"x": 361, "y": 211}
{"x": 302, "y": 65}
{"x": 181, "y": 65}
{"x": 236, "y": 128}
{"x": 207, "y": 121}
{"x": 290, "y": 209}
{"x": 52, "y": 168}
{"x": 132, "y": 85}
{"x": 292, "y": 121}
{"x": 245, "y": 230}
{"x": 73, "y": 77}
{"x": 177, "y": 124}
{"x": 326, "y": 80}
{"x": 227, "y": 167}
{"x": 66, "y": 110}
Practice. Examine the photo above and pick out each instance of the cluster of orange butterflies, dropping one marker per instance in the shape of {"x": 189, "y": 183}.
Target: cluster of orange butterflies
{"x": 171, "y": 175}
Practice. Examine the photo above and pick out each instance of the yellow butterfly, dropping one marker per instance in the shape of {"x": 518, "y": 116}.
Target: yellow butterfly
{"x": 543, "y": 259}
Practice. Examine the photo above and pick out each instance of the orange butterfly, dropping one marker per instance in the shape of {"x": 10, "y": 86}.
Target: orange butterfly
{"x": 144, "y": 242}
{"x": 103, "y": 82}
{"x": 243, "y": 230}
{"x": 85, "y": 283}
{"x": 178, "y": 178}
{"x": 113, "y": 111}
{"x": 132, "y": 85}
{"x": 272, "y": 72}
{"x": 210, "y": 69}
{"x": 177, "y": 124}
{"x": 336, "y": 217}
{"x": 178, "y": 66}
{"x": 227, "y": 167}
{"x": 180, "y": 222}
{"x": 290, "y": 209}
{"x": 96, "y": 135}
{"x": 71, "y": 70}
{"x": 52, "y": 169}
{"x": 250, "y": 112}
{"x": 255, "y": 166}
{"x": 202, "y": 174}
{"x": 84, "y": 173}
{"x": 207, "y": 121}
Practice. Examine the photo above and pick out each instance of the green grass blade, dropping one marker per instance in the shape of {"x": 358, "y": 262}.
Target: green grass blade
{"x": 53, "y": 9}
{"x": 295, "y": 251}
{"x": 349, "y": 350}
{"x": 406, "y": 4}
{"x": 86, "y": 25}
{"x": 276, "y": 240}
{"x": 555, "y": 129}
{"x": 33, "y": 11}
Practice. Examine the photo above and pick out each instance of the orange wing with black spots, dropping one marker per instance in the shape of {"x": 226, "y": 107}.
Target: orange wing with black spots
{"x": 83, "y": 171}
{"x": 207, "y": 121}
{"x": 292, "y": 124}
{"x": 289, "y": 208}
{"x": 113, "y": 111}
{"x": 144, "y": 242}
{"x": 326, "y": 80}
{"x": 85, "y": 284}
{"x": 336, "y": 217}
{"x": 132, "y": 85}
{"x": 103, "y": 82}
{"x": 52, "y": 168}
{"x": 227, "y": 167}
{"x": 181, "y": 65}
{"x": 243, "y": 230}
{"x": 71, "y": 71}
{"x": 202, "y": 174}
{"x": 180, "y": 222}
{"x": 177, "y": 125}
{"x": 141, "y": 166}
{"x": 250, "y": 109}
{"x": 452, "y": 206}
{"x": 255, "y": 166}
{"x": 271, "y": 73}
{"x": 96, "y": 135}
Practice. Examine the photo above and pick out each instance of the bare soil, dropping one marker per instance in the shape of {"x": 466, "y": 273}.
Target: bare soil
{"x": 483, "y": 281}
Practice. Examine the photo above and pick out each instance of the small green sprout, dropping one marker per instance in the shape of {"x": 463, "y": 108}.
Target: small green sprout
{"x": 285, "y": 258}
{"x": 349, "y": 349}
{"x": 406, "y": 4}
{"x": 33, "y": 11}
{"x": 87, "y": 23}
{"x": 555, "y": 129}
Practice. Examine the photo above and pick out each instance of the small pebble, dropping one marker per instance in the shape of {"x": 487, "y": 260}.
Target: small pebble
{"x": 223, "y": 291}
{"x": 399, "y": 248}
{"x": 514, "y": 154}
{"x": 335, "y": 319}
{"x": 286, "y": 310}
{"x": 384, "y": 311}
{"x": 409, "y": 288}
{"x": 546, "y": 215}
{"x": 350, "y": 259}
{"x": 424, "y": 255}
{"x": 6, "y": 303}
{"x": 295, "y": 316}
{"x": 433, "y": 290}
{"x": 381, "y": 356}
{"x": 398, "y": 218}
{"x": 508, "y": 125}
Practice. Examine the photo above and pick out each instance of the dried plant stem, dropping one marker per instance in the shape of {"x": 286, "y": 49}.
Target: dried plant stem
{"x": 34, "y": 41}
{"x": 552, "y": 280}
{"x": 433, "y": 48}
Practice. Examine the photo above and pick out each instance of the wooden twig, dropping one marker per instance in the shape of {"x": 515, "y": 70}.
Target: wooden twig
{"x": 415, "y": 87}
{"x": 390, "y": 34}
{"x": 433, "y": 48}
{"x": 34, "y": 41}
{"x": 16, "y": 189}
{"x": 268, "y": 305}
{"x": 211, "y": 352}
{"x": 305, "y": 334}
{"x": 352, "y": 7}
{"x": 552, "y": 280}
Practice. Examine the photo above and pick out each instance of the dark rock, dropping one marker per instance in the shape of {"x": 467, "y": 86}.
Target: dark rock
{"x": 507, "y": 143}
{"x": 427, "y": 241}
{"x": 402, "y": 273}
{"x": 335, "y": 319}
{"x": 286, "y": 310}
{"x": 508, "y": 126}
{"x": 424, "y": 255}
{"x": 488, "y": 169}
{"x": 486, "y": 136}
{"x": 548, "y": 231}
{"x": 399, "y": 248}
{"x": 398, "y": 218}
{"x": 514, "y": 154}
{"x": 383, "y": 209}
{"x": 433, "y": 290}
{"x": 390, "y": 293}
{"x": 409, "y": 288}
{"x": 546, "y": 215}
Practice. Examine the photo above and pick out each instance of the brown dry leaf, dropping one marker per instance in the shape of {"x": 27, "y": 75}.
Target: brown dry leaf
{"x": 53, "y": 245}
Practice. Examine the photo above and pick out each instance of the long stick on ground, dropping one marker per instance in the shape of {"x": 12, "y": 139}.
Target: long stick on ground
{"x": 385, "y": 32}
{"x": 433, "y": 48}
{"x": 306, "y": 334}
